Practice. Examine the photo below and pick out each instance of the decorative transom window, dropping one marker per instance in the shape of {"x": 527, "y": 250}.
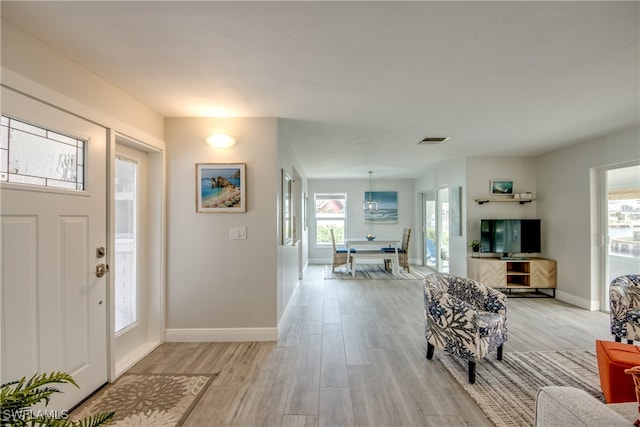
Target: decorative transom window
{"x": 33, "y": 155}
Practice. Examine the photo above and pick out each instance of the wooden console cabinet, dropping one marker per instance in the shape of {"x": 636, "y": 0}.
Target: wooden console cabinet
{"x": 514, "y": 274}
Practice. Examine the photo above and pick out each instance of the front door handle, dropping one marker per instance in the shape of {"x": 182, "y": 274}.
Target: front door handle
{"x": 101, "y": 270}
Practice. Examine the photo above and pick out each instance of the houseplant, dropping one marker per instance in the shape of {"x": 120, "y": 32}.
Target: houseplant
{"x": 475, "y": 246}
{"x": 18, "y": 397}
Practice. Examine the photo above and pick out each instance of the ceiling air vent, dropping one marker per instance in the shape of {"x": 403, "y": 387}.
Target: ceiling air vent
{"x": 433, "y": 140}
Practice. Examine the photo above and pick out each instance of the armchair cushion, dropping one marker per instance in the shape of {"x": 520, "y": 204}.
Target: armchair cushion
{"x": 489, "y": 324}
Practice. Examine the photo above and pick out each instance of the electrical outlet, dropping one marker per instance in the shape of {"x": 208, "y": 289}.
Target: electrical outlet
{"x": 238, "y": 233}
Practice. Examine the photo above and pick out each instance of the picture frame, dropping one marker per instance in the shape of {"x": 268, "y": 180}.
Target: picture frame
{"x": 287, "y": 226}
{"x": 501, "y": 187}
{"x": 387, "y": 212}
{"x": 305, "y": 211}
{"x": 455, "y": 214}
{"x": 221, "y": 187}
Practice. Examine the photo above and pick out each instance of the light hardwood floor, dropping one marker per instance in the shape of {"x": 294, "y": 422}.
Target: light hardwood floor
{"x": 352, "y": 353}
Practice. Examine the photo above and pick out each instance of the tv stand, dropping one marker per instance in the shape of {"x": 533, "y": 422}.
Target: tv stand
{"x": 516, "y": 276}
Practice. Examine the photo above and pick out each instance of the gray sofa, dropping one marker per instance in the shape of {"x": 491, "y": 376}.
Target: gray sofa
{"x": 568, "y": 406}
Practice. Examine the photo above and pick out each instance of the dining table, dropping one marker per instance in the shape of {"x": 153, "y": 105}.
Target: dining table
{"x": 356, "y": 243}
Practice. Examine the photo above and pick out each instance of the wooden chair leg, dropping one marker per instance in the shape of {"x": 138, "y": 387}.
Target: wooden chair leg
{"x": 629, "y": 341}
{"x": 430, "y": 349}
{"x": 500, "y": 352}
{"x": 618, "y": 339}
{"x": 472, "y": 372}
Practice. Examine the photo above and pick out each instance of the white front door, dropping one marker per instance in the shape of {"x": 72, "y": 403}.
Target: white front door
{"x": 53, "y": 307}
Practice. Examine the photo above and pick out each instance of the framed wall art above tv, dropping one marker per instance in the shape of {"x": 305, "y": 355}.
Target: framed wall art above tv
{"x": 501, "y": 187}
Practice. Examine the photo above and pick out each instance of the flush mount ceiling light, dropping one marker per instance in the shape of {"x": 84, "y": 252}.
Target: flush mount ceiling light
{"x": 433, "y": 140}
{"x": 370, "y": 204}
{"x": 220, "y": 140}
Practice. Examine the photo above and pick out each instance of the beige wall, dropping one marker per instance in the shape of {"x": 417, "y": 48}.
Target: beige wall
{"x": 42, "y": 72}
{"x": 215, "y": 283}
{"x": 564, "y": 203}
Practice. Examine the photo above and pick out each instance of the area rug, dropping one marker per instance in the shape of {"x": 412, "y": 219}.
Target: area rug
{"x": 506, "y": 390}
{"x": 147, "y": 399}
{"x": 370, "y": 271}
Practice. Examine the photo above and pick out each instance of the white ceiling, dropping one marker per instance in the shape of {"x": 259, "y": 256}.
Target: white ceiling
{"x": 360, "y": 83}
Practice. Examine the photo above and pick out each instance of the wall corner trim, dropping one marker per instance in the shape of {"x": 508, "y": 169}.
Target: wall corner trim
{"x": 221, "y": 334}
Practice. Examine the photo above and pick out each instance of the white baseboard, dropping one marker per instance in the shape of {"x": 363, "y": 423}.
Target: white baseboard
{"x": 221, "y": 335}
{"x": 135, "y": 356}
{"x": 287, "y": 309}
{"x": 578, "y": 302}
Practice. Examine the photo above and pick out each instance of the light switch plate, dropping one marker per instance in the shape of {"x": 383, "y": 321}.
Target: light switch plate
{"x": 238, "y": 233}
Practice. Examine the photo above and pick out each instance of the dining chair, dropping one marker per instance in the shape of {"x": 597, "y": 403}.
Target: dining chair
{"x": 403, "y": 251}
{"x": 339, "y": 254}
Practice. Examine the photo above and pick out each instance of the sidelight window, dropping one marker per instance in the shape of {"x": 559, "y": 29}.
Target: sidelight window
{"x": 126, "y": 233}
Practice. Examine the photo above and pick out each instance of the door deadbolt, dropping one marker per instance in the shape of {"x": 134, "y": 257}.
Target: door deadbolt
{"x": 100, "y": 252}
{"x": 101, "y": 270}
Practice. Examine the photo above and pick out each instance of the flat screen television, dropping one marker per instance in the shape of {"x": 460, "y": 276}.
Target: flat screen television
{"x": 510, "y": 236}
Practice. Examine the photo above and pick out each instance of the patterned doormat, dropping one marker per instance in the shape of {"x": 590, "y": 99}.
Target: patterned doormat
{"x": 370, "y": 271}
{"x": 147, "y": 399}
{"x": 506, "y": 390}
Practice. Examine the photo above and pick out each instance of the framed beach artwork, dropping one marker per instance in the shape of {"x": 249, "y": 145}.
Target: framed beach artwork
{"x": 501, "y": 187}
{"x": 387, "y": 212}
{"x": 287, "y": 228}
{"x": 221, "y": 187}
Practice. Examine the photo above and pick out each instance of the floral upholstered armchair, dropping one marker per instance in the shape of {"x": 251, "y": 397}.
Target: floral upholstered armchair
{"x": 624, "y": 304}
{"x": 464, "y": 317}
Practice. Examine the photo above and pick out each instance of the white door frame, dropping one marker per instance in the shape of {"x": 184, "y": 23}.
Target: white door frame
{"x": 156, "y": 254}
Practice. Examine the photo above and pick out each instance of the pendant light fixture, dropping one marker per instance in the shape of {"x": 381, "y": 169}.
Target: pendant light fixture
{"x": 370, "y": 204}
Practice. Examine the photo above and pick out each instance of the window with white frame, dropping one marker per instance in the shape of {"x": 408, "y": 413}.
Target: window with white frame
{"x": 331, "y": 213}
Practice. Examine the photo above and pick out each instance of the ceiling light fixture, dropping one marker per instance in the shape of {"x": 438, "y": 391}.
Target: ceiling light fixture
{"x": 433, "y": 140}
{"x": 370, "y": 205}
{"x": 220, "y": 140}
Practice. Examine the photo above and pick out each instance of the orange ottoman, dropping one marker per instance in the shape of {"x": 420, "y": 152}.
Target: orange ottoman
{"x": 613, "y": 359}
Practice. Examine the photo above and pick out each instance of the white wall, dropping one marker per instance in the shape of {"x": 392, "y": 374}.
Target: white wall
{"x": 356, "y": 227}
{"x": 564, "y": 200}
{"x": 220, "y": 288}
